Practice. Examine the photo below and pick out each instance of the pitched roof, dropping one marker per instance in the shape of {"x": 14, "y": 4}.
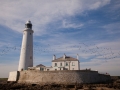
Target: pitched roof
{"x": 67, "y": 58}
{"x": 40, "y": 65}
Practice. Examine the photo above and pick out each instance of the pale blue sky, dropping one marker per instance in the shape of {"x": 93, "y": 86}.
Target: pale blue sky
{"x": 90, "y": 28}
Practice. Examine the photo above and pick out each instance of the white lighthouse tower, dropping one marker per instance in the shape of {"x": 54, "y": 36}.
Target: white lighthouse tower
{"x": 26, "y": 55}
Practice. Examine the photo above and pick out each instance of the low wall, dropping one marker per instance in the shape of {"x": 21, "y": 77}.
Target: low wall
{"x": 13, "y": 76}
{"x": 61, "y": 77}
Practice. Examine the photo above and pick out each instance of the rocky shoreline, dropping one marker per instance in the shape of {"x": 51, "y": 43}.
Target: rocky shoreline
{"x": 17, "y": 86}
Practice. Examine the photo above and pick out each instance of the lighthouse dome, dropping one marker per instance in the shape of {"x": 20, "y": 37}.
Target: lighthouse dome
{"x": 28, "y": 24}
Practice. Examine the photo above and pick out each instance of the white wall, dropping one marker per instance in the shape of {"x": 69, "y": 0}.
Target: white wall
{"x": 26, "y": 55}
{"x": 74, "y": 65}
{"x": 13, "y": 76}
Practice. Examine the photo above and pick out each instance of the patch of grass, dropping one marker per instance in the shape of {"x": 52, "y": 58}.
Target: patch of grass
{"x": 3, "y": 79}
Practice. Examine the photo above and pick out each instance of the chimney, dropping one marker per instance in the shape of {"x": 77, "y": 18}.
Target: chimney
{"x": 77, "y": 56}
{"x": 54, "y": 57}
{"x": 64, "y": 56}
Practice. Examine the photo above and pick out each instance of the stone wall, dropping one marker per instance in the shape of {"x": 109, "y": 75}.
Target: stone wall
{"x": 61, "y": 77}
{"x": 13, "y": 76}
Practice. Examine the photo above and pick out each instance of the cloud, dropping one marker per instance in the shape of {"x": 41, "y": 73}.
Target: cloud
{"x": 114, "y": 7}
{"x": 111, "y": 66}
{"x": 87, "y": 50}
{"x": 112, "y": 28}
{"x": 92, "y": 4}
{"x": 41, "y": 13}
{"x": 110, "y": 51}
{"x": 66, "y": 24}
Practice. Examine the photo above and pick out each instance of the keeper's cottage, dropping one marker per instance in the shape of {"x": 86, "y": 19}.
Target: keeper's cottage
{"x": 65, "y": 63}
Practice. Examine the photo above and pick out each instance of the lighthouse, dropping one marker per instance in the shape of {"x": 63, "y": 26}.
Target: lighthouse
{"x": 26, "y": 54}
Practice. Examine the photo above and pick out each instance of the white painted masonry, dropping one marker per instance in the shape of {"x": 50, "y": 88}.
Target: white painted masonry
{"x": 13, "y": 76}
{"x": 26, "y": 55}
{"x": 65, "y": 63}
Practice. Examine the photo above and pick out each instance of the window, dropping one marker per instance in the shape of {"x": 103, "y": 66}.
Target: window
{"x": 55, "y": 64}
{"x": 66, "y": 63}
{"x": 41, "y": 69}
{"x": 30, "y": 57}
{"x": 60, "y": 64}
{"x": 73, "y": 64}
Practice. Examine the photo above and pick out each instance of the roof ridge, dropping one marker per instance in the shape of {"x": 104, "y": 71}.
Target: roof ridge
{"x": 67, "y": 58}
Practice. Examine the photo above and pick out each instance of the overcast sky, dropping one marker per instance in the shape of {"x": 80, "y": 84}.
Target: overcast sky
{"x": 90, "y": 28}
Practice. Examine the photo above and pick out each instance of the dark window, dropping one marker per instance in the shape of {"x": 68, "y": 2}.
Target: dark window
{"x": 41, "y": 69}
{"x": 31, "y": 57}
{"x": 66, "y": 63}
{"x": 60, "y": 64}
{"x": 55, "y": 64}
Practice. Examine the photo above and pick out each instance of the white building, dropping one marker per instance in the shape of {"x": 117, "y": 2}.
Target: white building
{"x": 62, "y": 63}
{"x": 65, "y": 63}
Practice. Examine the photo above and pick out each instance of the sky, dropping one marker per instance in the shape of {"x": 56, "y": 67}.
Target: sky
{"x": 90, "y": 28}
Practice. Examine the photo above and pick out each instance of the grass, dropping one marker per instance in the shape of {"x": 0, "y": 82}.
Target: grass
{"x": 3, "y": 79}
